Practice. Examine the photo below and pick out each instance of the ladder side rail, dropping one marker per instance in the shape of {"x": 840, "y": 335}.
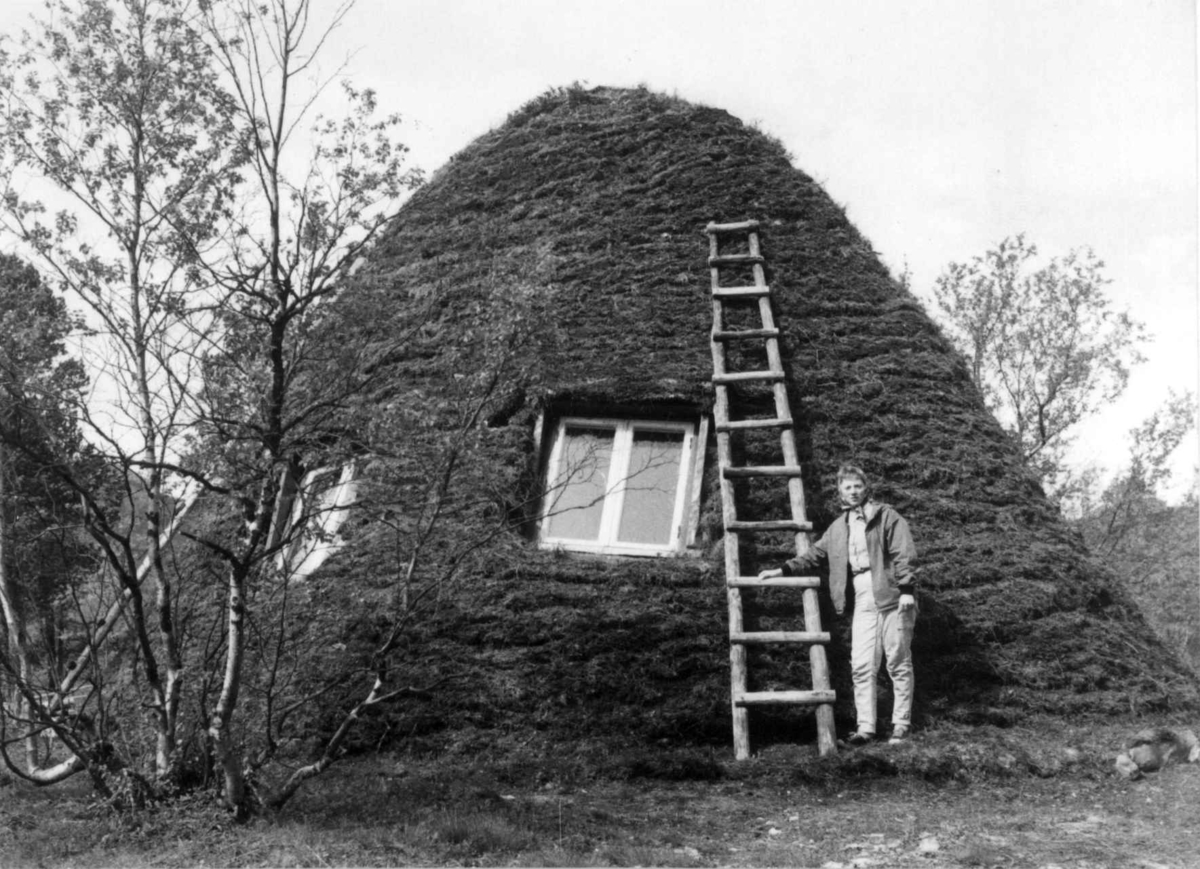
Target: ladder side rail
{"x": 818, "y": 659}
{"x": 737, "y": 651}
{"x": 782, "y": 406}
{"x": 817, "y": 656}
{"x": 756, "y": 257}
{"x": 774, "y": 360}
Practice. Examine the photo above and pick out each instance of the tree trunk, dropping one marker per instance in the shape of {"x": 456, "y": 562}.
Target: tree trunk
{"x": 18, "y": 657}
{"x": 226, "y": 755}
{"x": 18, "y": 660}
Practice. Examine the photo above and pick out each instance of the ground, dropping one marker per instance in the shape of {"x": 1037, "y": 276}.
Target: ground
{"x": 1043, "y": 795}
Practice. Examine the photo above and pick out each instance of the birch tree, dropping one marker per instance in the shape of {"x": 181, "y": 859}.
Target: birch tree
{"x": 318, "y": 192}
{"x": 113, "y": 113}
{"x": 213, "y": 216}
{"x": 138, "y": 113}
{"x": 218, "y": 215}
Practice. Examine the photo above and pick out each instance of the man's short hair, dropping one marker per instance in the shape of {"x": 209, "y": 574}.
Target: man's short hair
{"x": 848, "y": 470}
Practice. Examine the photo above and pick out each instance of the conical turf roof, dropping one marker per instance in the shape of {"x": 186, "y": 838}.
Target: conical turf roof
{"x": 595, "y": 202}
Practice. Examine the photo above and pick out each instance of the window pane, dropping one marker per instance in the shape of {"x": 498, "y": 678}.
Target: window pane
{"x": 651, "y": 486}
{"x": 577, "y": 494}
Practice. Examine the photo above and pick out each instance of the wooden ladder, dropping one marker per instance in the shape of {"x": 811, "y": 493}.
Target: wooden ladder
{"x": 822, "y": 695}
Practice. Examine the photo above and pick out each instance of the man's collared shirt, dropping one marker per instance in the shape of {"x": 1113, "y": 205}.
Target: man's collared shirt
{"x": 860, "y": 559}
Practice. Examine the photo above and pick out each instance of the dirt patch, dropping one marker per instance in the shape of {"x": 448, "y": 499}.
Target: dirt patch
{"x": 955, "y": 796}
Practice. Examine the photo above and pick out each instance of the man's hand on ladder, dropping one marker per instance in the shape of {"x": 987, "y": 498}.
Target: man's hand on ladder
{"x": 771, "y": 574}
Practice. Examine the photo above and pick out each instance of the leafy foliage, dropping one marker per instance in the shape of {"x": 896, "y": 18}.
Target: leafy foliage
{"x": 1044, "y": 344}
{"x": 41, "y": 552}
{"x": 1152, "y": 546}
{"x": 201, "y": 262}
{"x": 116, "y": 110}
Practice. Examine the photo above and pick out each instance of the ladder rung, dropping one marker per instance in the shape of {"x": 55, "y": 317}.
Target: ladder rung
{"x": 796, "y": 698}
{"x": 809, "y": 637}
{"x": 743, "y": 226}
{"x": 742, "y": 334}
{"x": 762, "y": 471}
{"x": 747, "y": 376}
{"x": 771, "y": 525}
{"x": 741, "y": 292}
{"x": 754, "y": 423}
{"x": 735, "y": 259}
{"x": 776, "y": 582}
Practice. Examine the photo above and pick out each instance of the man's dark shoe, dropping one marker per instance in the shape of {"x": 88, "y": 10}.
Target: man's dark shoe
{"x": 860, "y": 737}
{"x": 899, "y": 735}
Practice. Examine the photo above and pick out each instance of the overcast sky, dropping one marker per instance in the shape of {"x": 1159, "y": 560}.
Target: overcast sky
{"x": 941, "y": 126}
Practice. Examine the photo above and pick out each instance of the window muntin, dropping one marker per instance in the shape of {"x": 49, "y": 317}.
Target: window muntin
{"x": 618, "y": 486}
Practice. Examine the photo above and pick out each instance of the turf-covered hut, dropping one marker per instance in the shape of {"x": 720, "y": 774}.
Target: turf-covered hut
{"x": 578, "y": 226}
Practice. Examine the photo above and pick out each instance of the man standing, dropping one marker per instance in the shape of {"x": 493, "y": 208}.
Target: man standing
{"x": 870, "y": 549}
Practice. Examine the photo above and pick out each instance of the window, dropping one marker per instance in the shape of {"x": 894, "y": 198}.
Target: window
{"x": 618, "y": 487}
{"x": 319, "y": 507}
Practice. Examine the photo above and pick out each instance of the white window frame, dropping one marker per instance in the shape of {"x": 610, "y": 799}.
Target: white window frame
{"x": 614, "y": 500}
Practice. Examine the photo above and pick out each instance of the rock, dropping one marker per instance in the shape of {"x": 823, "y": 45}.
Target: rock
{"x": 1126, "y": 767}
{"x": 1152, "y": 749}
{"x": 929, "y": 845}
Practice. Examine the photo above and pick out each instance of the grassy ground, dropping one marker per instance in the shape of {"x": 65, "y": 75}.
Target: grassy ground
{"x": 1037, "y": 796}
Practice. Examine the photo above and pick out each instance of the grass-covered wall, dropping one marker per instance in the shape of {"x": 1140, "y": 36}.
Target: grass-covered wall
{"x": 585, "y": 212}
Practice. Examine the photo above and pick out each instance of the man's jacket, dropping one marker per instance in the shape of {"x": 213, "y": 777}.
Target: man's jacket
{"x": 889, "y": 545}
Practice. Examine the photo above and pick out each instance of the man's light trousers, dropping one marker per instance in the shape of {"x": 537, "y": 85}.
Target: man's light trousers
{"x": 874, "y": 635}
